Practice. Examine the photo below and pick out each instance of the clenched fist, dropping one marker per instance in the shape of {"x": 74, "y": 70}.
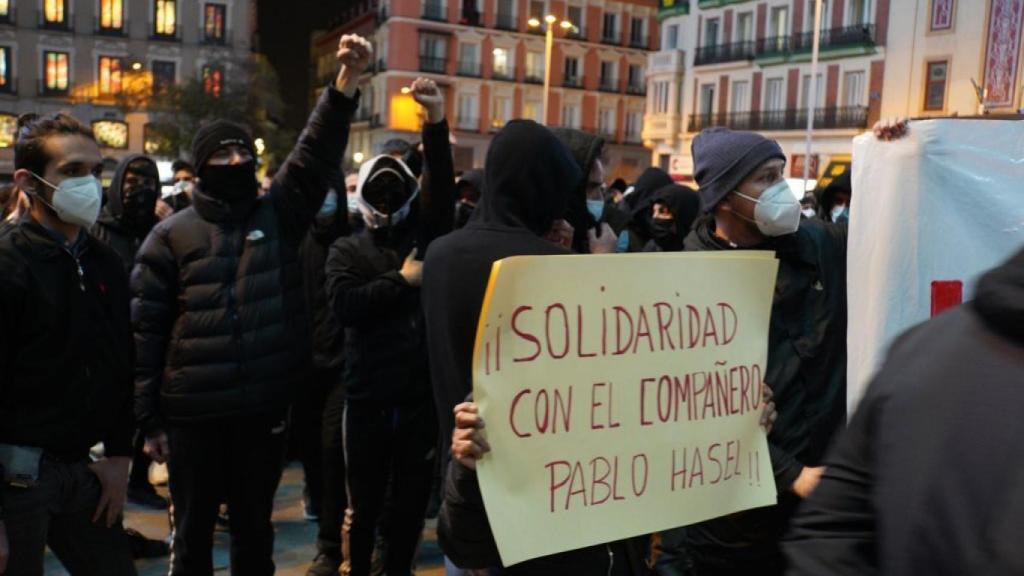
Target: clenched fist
{"x": 355, "y": 54}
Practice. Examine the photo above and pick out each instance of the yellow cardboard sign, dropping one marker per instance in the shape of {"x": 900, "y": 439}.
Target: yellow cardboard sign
{"x": 621, "y": 395}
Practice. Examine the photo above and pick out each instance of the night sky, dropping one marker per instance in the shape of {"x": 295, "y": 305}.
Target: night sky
{"x": 285, "y": 28}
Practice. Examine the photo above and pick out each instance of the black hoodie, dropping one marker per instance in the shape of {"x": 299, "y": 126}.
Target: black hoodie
{"x": 586, "y": 149}
{"x": 113, "y": 228}
{"x": 528, "y": 178}
{"x": 927, "y": 479}
{"x": 684, "y": 204}
{"x": 639, "y": 203}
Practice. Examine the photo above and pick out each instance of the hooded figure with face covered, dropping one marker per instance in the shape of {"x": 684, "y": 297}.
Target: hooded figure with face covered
{"x": 129, "y": 212}
{"x": 672, "y": 213}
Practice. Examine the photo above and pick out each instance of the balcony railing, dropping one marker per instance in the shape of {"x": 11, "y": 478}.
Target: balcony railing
{"x": 611, "y": 37}
{"x": 632, "y": 138}
{"x": 505, "y": 22}
{"x": 578, "y": 33}
{"x": 469, "y": 69}
{"x": 792, "y": 119}
{"x": 62, "y": 26}
{"x": 224, "y": 40}
{"x": 468, "y": 124}
{"x": 636, "y": 89}
{"x": 434, "y": 11}
{"x": 432, "y": 64}
{"x": 53, "y": 93}
{"x": 104, "y": 31}
{"x": 471, "y": 18}
{"x": 572, "y": 82}
{"x": 534, "y": 77}
{"x": 724, "y": 53}
{"x": 174, "y": 37}
{"x": 608, "y": 85}
{"x": 638, "y": 41}
{"x": 508, "y": 73}
{"x": 776, "y": 45}
{"x": 863, "y": 35}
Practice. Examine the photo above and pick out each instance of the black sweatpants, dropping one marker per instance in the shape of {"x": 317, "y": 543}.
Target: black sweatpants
{"x": 241, "y": 459}
{"x": 57, "y": 512}
{"x": 385, "y": 446}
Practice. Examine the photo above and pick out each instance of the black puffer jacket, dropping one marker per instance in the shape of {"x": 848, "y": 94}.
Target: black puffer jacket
{"x": 806, "y": 370}
{"x": 111, "y": 229}
{"x": 220, "y": 323}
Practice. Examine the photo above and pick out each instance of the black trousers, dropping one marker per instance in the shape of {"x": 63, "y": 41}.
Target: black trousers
{"x": 317, "y": 422}
{"x": 240, "y": 459}
{"x": 57, "y": 512}
{"x": 385, "y": 446}
{"x": 140, "y": 464}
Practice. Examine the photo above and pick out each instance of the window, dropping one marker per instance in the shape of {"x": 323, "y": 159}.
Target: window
{"x": 505, "y": 18}
{"x": 165, "y": 14}
{"x": 779, "y": 25}
{"x": 606, "y": 121}
{"x": 532, "y": 110}
{"x": 54, "y": 14}
{"x": 469, "y": 59}
{"x": 660, "y": 97}
{"x": 501, "y": 111}
{"x": 502, "y": 64}
{"x": 740, "y": 97}
{"x": 155, "y": 140}
{"x": 774, "y": 98}
{"x": 853, "y": 89}
{"x": 858, "y": 12}
{"x": 8, "y": 130}
{"x": 711, "y": 32}
{"x": 826, "y": 18}
{"x": 213, "y": 80}
{"x": 6, "y": 82}
{"x": 636, "y": 32}
{"x": 55, "y": 72}
{"x": 535, "y": 66}
{"x": 671, "y": 37}
{"x": 636, "y": 76}
{"x": 109, "y": 76}
{"x": 572, "y": 66}
{"x": 571, "y": 116}
{"x": 111, "y": 15}
{"x": 433, "y": 53}
{"x": 935, "y": 86}
{"x": 745, "y": 27}
{"x": 538, "y": 10}
{"x": 5, "y": 10}
{"x": 610, "y": 32}
{"x": 942, "y": 15}
{"x": 633, "y": 123}
{"x": 433, "y": 10}
{"x": 805, "y": 92}
{"x": 111, "y": 134}
{"x": 164, "y": 75}
{"x": 468, "y": 112}
{"x": 214, "y": 18}
{"x": 574, "y": 14}
{"x": 470, "y": 12}
{"x": 608, "y": 75}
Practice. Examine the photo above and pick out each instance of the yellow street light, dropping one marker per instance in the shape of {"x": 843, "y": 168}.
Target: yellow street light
{"x": 533, "y": 23}
{"x": 550, "y": 19}
{"x": 358, "y": 157}
{"x": 566, "y": 24}
{"x": 137, "y": 66}
{"x": 261, "y": 146}
{"x": 406, "y": 90}
{"x": 549, "y": 34}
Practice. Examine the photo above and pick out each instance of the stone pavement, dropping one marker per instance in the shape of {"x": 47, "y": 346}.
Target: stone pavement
{"x": 294, "y": 543}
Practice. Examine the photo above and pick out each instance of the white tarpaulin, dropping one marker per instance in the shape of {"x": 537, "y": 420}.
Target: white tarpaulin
{"x": 931, "y": 212}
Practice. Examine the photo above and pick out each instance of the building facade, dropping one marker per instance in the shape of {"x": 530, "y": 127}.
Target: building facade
{"x": 746, "y": 65}
{"x": 490, "y": 63}
{"x": 85, "y": 56}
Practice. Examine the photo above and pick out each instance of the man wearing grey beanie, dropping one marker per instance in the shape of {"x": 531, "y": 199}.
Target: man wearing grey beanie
{"x": 748, "y": 205}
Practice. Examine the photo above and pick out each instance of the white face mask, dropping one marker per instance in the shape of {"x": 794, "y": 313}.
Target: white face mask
{"x": 777, "y": 212}
{"x": 840, "y": 213}
{"x": 76, "y": 201}
{"x": 808, "y": 213}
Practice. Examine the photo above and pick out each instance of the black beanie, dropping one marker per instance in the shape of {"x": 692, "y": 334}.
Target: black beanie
{"x": 217, "y": 135}
{"x": 723, "y": 158}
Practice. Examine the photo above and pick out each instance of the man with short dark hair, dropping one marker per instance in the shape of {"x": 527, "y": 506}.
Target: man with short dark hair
{"x": 66, "y": 360}
{"x": 221, "y": 329}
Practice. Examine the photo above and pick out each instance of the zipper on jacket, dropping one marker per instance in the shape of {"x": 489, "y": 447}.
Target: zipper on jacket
{"x": 78, "y": 267}
{"x": 611, "y": 559}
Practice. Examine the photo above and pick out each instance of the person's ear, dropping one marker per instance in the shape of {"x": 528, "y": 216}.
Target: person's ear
{"x": 25, "y": 181}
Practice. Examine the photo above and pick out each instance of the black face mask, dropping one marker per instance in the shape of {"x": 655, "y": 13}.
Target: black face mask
{"x": 664, "y": 234}
{"x": 137, "y": 207}
{"x": 231, "y": 183}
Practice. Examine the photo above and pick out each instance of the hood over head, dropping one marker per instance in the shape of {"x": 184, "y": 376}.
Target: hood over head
{"x": 386, "y": 191}
{"x": 585, "y": 149}
{"x": 999, "y": 298}
{"x": 642, "y": 196}
{"x": 113, "y": 213}
{"x": 841, "y": 183}
{"x": 474, "y": 181}
{"x": 529, "y": 176}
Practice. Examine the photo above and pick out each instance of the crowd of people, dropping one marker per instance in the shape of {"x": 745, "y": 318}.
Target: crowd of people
{"x": 204, "y": 329}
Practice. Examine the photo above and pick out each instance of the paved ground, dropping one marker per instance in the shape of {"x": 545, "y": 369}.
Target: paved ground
{"x": 293, "y": 546}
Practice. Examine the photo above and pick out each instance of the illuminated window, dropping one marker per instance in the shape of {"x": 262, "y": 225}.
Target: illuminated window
{"x": 111, "y": 134}
{"x": 53, "y": 13}
{"x": 111, "y": 15}
{"x": 55, "y": 72}
{"x": 5, "y": 9}
{"x": 213, "y": 80}
{"x": 6, "y": 82}
{"x": 166, "y": 12}
{"x": 213, "y": 22}
{"x": 155, "y": 139}
{"x": 8, "y": 130}
{"x": 110, "y": 75}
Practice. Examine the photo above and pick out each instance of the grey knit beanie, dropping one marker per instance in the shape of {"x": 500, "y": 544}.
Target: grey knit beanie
{"x": 723, "y": 158}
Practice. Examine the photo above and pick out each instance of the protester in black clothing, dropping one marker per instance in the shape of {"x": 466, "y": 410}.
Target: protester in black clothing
{"x": 616, "y": 191}
{"x": 927, "y": 478}
{"x": 748, "y": 205}
{"x": 470, "y": 187}
{"x": 674, "y": 210}
{"x": 834, "y": 205}
{"x": 222, "y": 338}
{"x": 66, "y": 360}
{"x": 318, "y": 416}
{"x": 638, "y": 205}
{"x": 373, "y": 282}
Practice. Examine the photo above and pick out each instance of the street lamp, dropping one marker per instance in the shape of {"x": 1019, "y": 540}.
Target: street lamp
{"x": 549, "y": 41}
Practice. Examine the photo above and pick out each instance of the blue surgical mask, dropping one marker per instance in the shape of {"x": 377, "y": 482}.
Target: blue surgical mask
{"x": 330, "y": 205}
{"x": 840, "y": 214}
{"x": 596, "y": 208}
{"x": 353, "y": 204}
